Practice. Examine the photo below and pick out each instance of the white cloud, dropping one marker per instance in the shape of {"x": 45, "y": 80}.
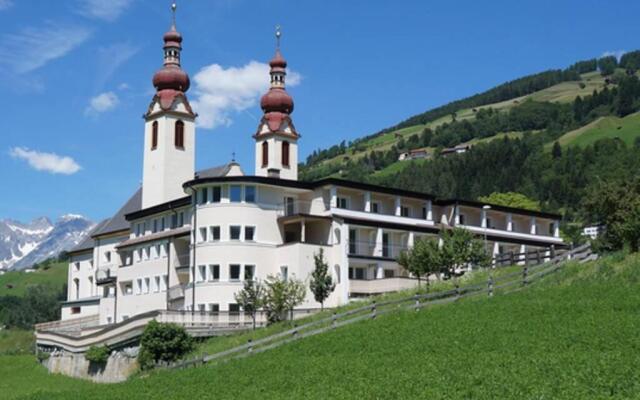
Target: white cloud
{"x": 48, "y": 162}
{"x": 616, "y": 53}
{"x": 123, "y": 86}
{"x": 5, "y": 4}
{"x": 102, "y": 103}
{"x": 110, "y": 58}
{"x": 107, "y": 10}
{"x": 32, "y": 48}
{"x": 222, "y": 92}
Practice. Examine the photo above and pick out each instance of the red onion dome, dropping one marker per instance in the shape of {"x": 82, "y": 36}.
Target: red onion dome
{"x": 278, "y": 61}
{"x": 171, "y": 77}
{"x": 172, "y": 36}
{"x": 278, "y": 100}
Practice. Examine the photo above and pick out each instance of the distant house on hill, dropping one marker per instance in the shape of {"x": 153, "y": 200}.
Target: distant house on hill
{"x": 459, "y": 149}
{"x": 415, "y": 154}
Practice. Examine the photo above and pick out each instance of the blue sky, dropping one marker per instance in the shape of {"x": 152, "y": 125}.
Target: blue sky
{"x": 76, "y": 76}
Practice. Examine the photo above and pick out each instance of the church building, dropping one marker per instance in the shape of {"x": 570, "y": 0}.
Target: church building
{"x": 186, "y": 240}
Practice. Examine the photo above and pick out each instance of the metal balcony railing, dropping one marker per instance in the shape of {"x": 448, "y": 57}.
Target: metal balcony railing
{"x": 370, "y": 249}
{"x": 105, "y": 274}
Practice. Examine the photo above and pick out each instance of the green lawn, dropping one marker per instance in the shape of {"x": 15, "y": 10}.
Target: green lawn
{"x": 15, "y": 283}
{"x": 627, "y": 129}
{"x": 572, "y": 336}
{"x": 16, "y": 341}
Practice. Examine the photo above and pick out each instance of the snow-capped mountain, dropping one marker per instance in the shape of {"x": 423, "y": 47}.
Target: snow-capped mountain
{"x": 22, "y": 245}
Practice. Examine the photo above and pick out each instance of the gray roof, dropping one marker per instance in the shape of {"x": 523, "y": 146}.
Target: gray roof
{"x": 220, "y": 170}
{"x": 118, "y": 222}
{"x": 88, "y": 242}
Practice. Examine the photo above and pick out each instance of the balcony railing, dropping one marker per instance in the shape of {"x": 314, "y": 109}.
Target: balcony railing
{"x": 182, "y": 260}
{"x": 294, "y": 207}
{"x": 105, "y": 274}
{"x": 369, "y": 249}
{"x": 177, "y": 291}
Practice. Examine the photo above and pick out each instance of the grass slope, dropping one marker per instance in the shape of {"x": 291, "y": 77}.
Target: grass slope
{"x": 571, "y": 336}
{"x": 626, "y": 129}
{"x": 16, "y": 341}
{"x": 55, "y": 276}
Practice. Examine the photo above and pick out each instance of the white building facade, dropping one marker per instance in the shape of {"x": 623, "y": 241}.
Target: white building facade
{"x": 187, "y": 240}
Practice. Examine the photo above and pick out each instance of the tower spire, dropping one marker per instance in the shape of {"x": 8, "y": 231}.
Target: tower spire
{"x": 173, "y": 15}
{"x": 278, "y": 35}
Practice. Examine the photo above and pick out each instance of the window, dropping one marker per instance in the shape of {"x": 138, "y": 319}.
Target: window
{"x": 156, "y": 286}
{"x": 389, "y": 273}
{"x": 284, "y": 271}
{"x": 289, "y": 206}
{"x": 165, "y": 282}
{"x": 357, "y": 273}
{"x": 461, "y": 219}
{"x": 424, "y": 212}
{"x": 201, "y": 307}
{"x": 204, "y": 195}
{"x": 250, "y": 194}
{"x": 77, "y": 266}
{"x": 127, "y": 288}
{"x": 234, "y": 272}
{"x": 162, "y": 226}
{"x": 203, "y": 234}
{"x": 90, "y": 285}
{"x": 265, "y": 154}
{"x": 552, "y": 230}
{"x": 147, "y": 284}
{"x": 375, "y": 208}
{"x": 154, "y": 135}
{"x": 343, "y": 202}
{"x": 216, "y": 194}
{"x": 404, "y": 211}
{"x": 234, "y": 232}
{"x": 202, "y": 273}
{"x": 214, "y": 308}
{"x": 179, "y": 134}
{"x": 155, "y": 225}
{"x": 235, "y": 193}
{"x": 174, "y": 221}
{"x": 249, "y": 272}
{"x": 214, "y": 272}
{"x": 249, "y": 232}
{"x": 76, "y": 288}
{"x": 353, "y": 237}
{"x": 285, "y": 154}
{"x": 385, "y": 245}
{"x": 215, "y": 233}
{"x": 75, "y": 310}
{"x": 488, "y": 223}
{"x": 180, "y": 219}
{"x": 158, "y": 251}
{"x": 107, "y": 256}
{"x": 234, "y": 308}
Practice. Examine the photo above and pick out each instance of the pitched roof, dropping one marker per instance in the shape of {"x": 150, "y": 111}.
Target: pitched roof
{"x": 118, "y": 221}
{"x": 88, "y": 242}
{"x": 214, "y": 172}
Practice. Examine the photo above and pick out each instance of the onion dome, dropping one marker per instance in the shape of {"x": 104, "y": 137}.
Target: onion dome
{"x": 277, "y": 100}
{"x": 171, "y": 77}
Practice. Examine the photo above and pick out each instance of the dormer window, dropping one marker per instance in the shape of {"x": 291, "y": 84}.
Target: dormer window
{"x": 285, "y": 154}
{"x": 154, "y": 135}
{"x": 179, "y": 135}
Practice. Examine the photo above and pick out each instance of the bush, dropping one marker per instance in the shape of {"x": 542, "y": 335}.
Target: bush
{"x": 42, "y": 356}
{"x": 163, "y": 342}
{"x": 97, "y": 354}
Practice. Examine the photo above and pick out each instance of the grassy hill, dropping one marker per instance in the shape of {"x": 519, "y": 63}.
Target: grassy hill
{"x": 626, "y": 129}
{"x": 16, "y": 282}
{"x": 573, "y": 335}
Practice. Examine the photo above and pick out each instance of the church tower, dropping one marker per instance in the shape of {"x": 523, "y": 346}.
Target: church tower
{"x": 169, "y": 134}
{"x": 276, "y": 137}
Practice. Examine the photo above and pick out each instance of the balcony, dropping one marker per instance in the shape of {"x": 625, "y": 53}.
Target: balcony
{"x": 368, "y": 249}
{"x": 106, "y": 275}
{"x": 176, "y": 292}
{"x": 384, "y": 285}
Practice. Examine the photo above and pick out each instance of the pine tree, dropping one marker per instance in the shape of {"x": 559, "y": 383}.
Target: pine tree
{"x": 321, "y": 283}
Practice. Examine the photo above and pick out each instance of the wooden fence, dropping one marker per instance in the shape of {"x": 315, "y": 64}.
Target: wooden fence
{"x": 505, "y": 283}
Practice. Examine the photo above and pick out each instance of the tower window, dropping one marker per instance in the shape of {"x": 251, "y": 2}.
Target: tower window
{"x": 179, "y": 134}
{"x": 154, "y": 135}
{"x": 265, "y": 154}
{"x": 285, "y": 154}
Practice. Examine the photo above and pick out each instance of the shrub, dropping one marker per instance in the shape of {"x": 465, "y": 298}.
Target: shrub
{"x": 163, "y": 342}
{"x": 97, "y": 354}
{"x": 42, "y": 356}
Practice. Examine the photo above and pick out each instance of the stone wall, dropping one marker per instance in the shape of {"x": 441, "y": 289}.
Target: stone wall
{"x": 120, "y": 365}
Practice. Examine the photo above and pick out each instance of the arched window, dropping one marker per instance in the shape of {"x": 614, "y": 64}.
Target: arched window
{"x": 285, "y": 154}
{"x": 265, "y": 154}
{"x": 179, "y": 134}
{"x": 154, "y": 135}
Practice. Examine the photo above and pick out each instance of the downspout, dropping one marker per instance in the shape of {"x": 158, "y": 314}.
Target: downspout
{"x": 169, "y": 259}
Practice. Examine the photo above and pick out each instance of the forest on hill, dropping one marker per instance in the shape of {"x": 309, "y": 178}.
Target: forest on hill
{"x": 532, "y": 163}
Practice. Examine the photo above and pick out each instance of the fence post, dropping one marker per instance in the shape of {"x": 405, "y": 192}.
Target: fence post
{"x": 490, "y": 285}
{"x": 295, "y": 332}
{"x": 525, "y": 273}
{"x": 333, "y": 320}
{"x": 512, "y": 260}
{"x": 249, "y": 342}
{"x": 457, "y": 289}
{"x": 373, "y": 309}
{"x": 538, "y": 256}
{"x": 552, "y": 253}
{"x": 417, "y": 302}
